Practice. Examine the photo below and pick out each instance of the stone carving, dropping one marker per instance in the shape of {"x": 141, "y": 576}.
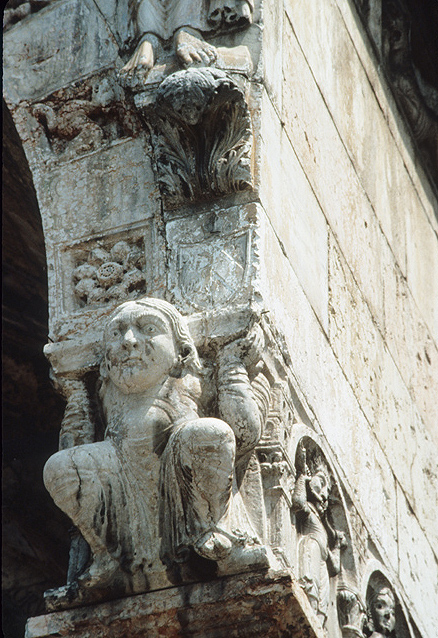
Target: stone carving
{"x": 113, "y": 274}
{"x": 158, "y": 499}
{"x": 82, "y": 117}
{"x": 417, "y": 99}
{"x": 351, "y": 612}
{"x": 381, "y": 612}
{"x": 320, "y": 544}
{"x": 180, "y": 25}
{"x": 212, "y": 272}
{"x": 201, "y": 133}
{"x": 17, "y": 10}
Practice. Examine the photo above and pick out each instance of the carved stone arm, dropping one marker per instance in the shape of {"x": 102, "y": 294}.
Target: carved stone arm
{"x": 241, "y": 405}
{"x": 76, "y": 427}
{"x": 299, "y": 495}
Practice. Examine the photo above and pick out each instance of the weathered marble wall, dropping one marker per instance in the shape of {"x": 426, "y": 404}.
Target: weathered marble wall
{"x": 352, "y": 272}
{"x": 332, "y": 249}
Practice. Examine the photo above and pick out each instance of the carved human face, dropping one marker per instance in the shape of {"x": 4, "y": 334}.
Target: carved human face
{"x": 140, "y": 349}
{"x": 319, "y": 490}
{"x": 383, "y": 612}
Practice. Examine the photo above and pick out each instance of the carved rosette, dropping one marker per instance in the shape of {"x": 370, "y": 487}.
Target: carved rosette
{"x": 201, "y": 134}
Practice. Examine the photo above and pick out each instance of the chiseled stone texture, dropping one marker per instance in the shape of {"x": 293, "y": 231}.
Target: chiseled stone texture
{"x": 246, "y": 606}
{"x": 358, "y": 308}
{"x": 336, "y": 246}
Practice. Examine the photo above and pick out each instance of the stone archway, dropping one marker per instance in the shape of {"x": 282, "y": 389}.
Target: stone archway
{"x": 35, "y": 542}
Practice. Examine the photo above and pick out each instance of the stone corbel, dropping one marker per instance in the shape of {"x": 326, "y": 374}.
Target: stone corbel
{"x": 201, "y": 135}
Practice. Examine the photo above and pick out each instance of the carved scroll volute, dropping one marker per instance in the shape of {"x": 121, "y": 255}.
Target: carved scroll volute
{"x": 201, "y": 134}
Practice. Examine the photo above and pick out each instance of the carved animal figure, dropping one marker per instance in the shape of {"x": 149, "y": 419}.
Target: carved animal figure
{"x": 160, "y": 489}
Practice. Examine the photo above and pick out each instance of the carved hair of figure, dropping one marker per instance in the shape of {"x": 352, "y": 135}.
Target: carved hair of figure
{"x": 160, "y": 488}
{"x": 320, "y": 544}
{"x": 156, "y": 21}
{"x": 381, "y": 613}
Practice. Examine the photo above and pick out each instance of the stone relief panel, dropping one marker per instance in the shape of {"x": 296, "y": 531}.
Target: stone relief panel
{"x": 165, "y": 495}
{"x": 101, "y": 271}
{"x": 107, "y": 274}
{"x": 213, "y": 258}
{"x": 325, "y": 558}
{"x": 84, "y": 116}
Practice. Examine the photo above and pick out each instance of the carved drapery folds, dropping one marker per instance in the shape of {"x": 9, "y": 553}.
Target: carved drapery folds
{"x": 201, "y": 134}
{"x": 158, "y": 499}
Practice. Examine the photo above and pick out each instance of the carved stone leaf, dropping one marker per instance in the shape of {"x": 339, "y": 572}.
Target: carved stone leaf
{"x": 201, "y": 133}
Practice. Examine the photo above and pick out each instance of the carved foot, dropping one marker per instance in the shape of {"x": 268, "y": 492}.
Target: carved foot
{"x": 102, "y": 580}
{"x": 191, "y": 48}
{"x": 233, "y": 553}
{"x": 101, "y": 574}
{"x": 242, "y": 559}
{"x": 214, "y": 546}
{"x": 137, "y": 68}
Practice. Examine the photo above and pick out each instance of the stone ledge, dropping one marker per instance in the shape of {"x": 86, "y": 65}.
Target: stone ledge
{"x": 245, "y": 606}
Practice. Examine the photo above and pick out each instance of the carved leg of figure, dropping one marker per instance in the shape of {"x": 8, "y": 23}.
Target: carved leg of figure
{"x": 144, "y": 57}
{"x": 191, "y": 48}
{"x": 201, "y": 500}
{"x": 77, "y": 484}
{"x": 313, "y": 575}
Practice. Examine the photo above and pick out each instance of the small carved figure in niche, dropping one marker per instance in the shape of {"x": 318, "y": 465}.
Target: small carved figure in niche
{"x": 381, "y": 613}
{"x": 183, "y": 21}
{"x": 320, "y": 544}
{"x": 161, "y": 488}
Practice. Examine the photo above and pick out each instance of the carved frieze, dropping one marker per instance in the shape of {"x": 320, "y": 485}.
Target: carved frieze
{"x": 320, "y": 544}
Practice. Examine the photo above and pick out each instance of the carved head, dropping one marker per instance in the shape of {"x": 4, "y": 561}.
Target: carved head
{"x": 319, "y": 484}
{"x": 145, "y": 342}
{"x": 381, "y": 614}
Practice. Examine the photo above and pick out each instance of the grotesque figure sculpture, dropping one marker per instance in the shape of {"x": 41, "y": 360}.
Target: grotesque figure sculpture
{"x": 320, "y": 544}
{"x": 381, "y": 613}
{"x": 183, "y": 21}
{"x": 159, "y": 492}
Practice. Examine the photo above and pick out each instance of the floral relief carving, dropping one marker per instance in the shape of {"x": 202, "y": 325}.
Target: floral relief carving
{"x": 110, "y": 274}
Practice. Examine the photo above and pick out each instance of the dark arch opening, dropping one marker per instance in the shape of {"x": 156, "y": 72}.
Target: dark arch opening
{"x": 35, "y": 539}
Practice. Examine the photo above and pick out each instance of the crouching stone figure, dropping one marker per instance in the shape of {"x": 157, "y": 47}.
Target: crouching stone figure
{"x": 159, "y": 496}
